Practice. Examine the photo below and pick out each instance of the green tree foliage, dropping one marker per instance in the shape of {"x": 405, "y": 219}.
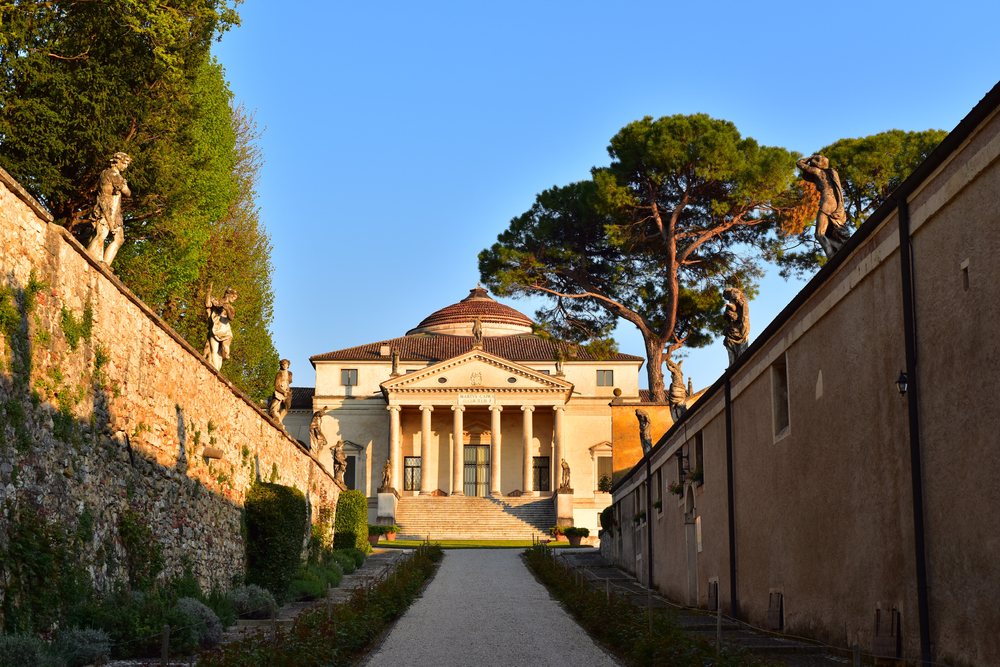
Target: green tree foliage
{"x": 276, "y": 524}
{"x": 351, "y": 522}
{"x": 652, "y": 238}
{"x": 870, "y": 168}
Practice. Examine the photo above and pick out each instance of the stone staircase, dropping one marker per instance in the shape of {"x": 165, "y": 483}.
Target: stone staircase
{"x": 460, "y": 518}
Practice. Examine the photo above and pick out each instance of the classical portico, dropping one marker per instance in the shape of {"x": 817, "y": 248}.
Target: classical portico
{"x": 477, "y": 431}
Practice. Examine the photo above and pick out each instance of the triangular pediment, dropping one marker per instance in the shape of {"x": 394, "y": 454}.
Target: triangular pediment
{"x": 477, "y": 371}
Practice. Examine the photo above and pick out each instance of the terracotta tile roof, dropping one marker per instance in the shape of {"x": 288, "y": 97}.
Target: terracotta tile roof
{"x": 645, "y": 396}
{"x": 302, "y": 398}
{"x": 434, "y": 348}
{"x": 478, "y": 303}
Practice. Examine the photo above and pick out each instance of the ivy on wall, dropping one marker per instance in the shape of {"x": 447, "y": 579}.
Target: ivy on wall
{"x": 276, "y": 521}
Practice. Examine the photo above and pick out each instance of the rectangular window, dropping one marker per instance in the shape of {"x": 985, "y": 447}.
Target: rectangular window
{"x": 349, "y": 473}
{"x": 779, "y": 397}
{"x": 659, "y": 487}
{"x": 605, "y": 378}
{"x": 411, "y": 473}
{"x": 545, "y": 372}
{"x": 540, "y": 473}
{"x": 680, "y": 465}
{"x": 349, "y": 377}
{"x": 699, "y": 457}
{"x": 603, "y": 469}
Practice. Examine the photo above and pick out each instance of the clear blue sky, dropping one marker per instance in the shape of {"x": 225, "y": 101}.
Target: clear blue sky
{"x": 402, "y": 137}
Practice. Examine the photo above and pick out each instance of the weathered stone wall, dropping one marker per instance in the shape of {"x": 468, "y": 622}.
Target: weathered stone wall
{"x": 121, "y": 419}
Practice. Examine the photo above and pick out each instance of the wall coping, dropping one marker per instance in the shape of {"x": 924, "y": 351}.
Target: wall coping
{"x": 114, "y": 280}
{"x": 23, "y": 195}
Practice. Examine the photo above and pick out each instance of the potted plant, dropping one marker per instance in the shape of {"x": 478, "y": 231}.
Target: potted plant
{"x": 374, "y": 532}
{"x": 639, "y": 516}
{"x": 576, "y": 535}
{"x": 390, "y": 532}
{"x": 676, "y": 488}
{"x": 696, "y": 476}
{"x": 558, "y": 532}
{"x": 658, "y": 504}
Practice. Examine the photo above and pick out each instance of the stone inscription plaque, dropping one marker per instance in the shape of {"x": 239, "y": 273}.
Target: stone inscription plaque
{"x": 476, "y": 399}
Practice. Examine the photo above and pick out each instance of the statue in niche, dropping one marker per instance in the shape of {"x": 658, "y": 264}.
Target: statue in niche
{"x": 645, "y": 438}
{"x": 281, "y": 401}
{"x": 107, "y": 213}
{"x": 737, "y": 316}
{"x": 220, "y": 313}
{"x": 477, "y": 332}
{"x": 564, "y": 483}
{"x": 316, "y": 438}
{"x": 832, "y": 230}
{"x": 395, "y": 363}
{"x": 386, "y": 476}
{"x": 339, "y": 462}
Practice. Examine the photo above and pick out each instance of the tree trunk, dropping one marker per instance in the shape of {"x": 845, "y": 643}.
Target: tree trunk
{"x": 654, "y": 368}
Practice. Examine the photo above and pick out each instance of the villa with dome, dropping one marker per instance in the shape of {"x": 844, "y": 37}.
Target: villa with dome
{"x": 470, "y": 422}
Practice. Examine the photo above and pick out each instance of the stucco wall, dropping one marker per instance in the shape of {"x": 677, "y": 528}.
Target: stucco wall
{"x": 140, "y": 422}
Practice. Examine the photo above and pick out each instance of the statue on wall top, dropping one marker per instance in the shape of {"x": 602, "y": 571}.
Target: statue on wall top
{"x": 386, "y": 476}
{"x": 832, "y": 230}
{"x": 677, "y": 396}
{"x": 395, "y": 363}
{"x": 220, "y": 313}
{"x": 317, "y": 440}
{"x": 645, "y": 438}
{"x": 477, "y": 332}
{"x": 737, "y": 316}
{"x": 339, "y": 462}
{"x": 281, "y": 401}
{"x": 107, "y": 213}
{"x": 564, "y": 483}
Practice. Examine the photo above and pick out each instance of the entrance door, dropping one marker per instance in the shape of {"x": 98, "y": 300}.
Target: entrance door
{"x": 477, "y": 470}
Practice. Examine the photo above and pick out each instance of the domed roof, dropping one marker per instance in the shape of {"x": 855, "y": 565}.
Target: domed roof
{"x": 457, "y": 319}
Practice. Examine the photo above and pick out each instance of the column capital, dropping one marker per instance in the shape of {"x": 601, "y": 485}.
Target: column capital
{"x": 558, "y": 407}
{"x": 528, "y": 408}
{"x": 458, "y": 408}
{"x": 496, "y": 408}
{"x": 393, "y": 407}
{"x": 429, "y": 408}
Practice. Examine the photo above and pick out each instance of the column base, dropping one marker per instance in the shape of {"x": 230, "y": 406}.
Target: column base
{"x": 529, "y": 494}
{"x": 458, "y": 494}
{"x": 496, "y": 494}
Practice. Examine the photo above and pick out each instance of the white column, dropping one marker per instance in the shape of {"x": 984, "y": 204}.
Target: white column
{"x": 425, "y": 448}
{"x": 526, "y": 436}
{"x": 458, "y": 453}
{"x": 557, "y": 447}
{"x": 495, "y": 411}
{"x": 395, "y": 453}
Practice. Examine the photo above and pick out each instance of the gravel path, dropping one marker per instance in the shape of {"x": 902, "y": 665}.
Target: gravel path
{"x": 485, "y": 608}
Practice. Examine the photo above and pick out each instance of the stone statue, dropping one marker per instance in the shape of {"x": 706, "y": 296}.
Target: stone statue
{"x": 832, "y": 230}
{"x": 737, "y": 316}
{"x": 316, "y": 438}
{"x": 395, "y": 363}
{"x": 339, "y": 462}
{"x": 559, "y": 366}
{"x": 677, "y": 396}
{"x": 220, "y": 313}
{"x": 564, "y": 483}
{"x": 477, "y": 332}
{"x": 386, "y": 476}
{"x": 107, "y": 213}
{"x": 281, "y": 401}
{"x": 645, "y": 437}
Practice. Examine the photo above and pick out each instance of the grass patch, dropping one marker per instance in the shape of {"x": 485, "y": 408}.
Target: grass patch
{"x": 466, "y": 544}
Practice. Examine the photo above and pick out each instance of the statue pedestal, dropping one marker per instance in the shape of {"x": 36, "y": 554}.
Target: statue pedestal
{"x": 387, "y": 499}
{"x": 564, "y": 507}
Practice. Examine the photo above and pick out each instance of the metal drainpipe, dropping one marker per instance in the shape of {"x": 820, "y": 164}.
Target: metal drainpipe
{"x": 649, "y": 526}
{"x": 733, "y": 599}
{"x": 912, "y": 404}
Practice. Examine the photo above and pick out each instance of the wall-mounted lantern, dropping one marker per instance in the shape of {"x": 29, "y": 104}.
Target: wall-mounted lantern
{"x": 901, "y": 383}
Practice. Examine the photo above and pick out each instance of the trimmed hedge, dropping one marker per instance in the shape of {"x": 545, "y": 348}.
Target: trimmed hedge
{"x": 276, "y": 520}
{"x": 351, "y": 525}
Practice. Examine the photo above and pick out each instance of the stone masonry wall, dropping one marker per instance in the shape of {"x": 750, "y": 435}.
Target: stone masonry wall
{"x": 121, "y": 419}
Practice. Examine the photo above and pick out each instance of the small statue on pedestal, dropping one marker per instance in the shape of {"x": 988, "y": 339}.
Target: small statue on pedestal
{"x": 281, "y": 401}
{"x": 832, "y": 230}
{"x": 564, "y": 483}
{"x": 107, "y": 213}
{"x": 220, "y": 313}
{"x": 316, "y": 438}
{"x": 477, "y": 332}
{"x": 395, "y": 363}
{"x": 386, "y": 477}
{"x": 737, "y": 316}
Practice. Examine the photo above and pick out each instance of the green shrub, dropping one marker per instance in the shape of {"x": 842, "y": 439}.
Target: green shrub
{"x": 134, "y": 621}
{"x": 357, "y": 554}
{"x": 82, "y": 646}
{"x": 346, "y": 562}
{"x": 351, "y": 524}
{"x": 557, "y": 530}
{"x": 608, "y": 518}
{"x": 573, "y": 531}
{"x": 311, "y": 581}
{"x": 26, "y": 651}
{"x": 251, "y": 601}
{"x": 218, "y": 601}
{"x": 276, "y": 520}
{"x": 209, "y": 628}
